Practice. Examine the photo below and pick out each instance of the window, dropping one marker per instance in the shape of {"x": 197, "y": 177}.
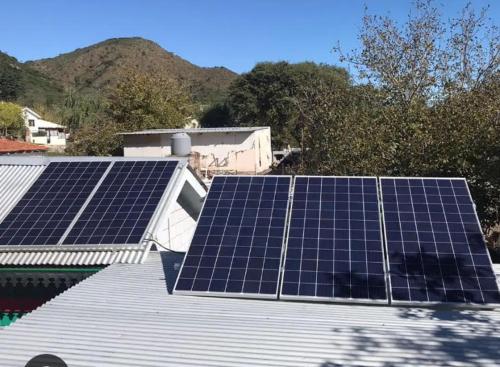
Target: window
{"x": 31, "y": 122}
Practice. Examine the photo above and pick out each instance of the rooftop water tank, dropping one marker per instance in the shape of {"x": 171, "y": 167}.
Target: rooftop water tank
{"x": 181, "y": 144}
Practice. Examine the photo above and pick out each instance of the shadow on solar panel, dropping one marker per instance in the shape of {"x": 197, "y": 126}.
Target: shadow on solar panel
{"x": 334, "y": 250}
{"x": 435, "y": 246}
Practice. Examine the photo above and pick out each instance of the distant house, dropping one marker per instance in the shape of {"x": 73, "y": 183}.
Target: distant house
{"x": 9, "y": 146}
{"x": 231, "y": 150}
{"x": 39, "y": 131}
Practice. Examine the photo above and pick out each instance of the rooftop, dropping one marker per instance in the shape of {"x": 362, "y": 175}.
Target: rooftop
{"x": 124, "y": 315}
{"x": 8, "y": 146}
{"x": 49, "y": 125}
{"x": 18, "y": 174}
{"x": 198, "y": 130}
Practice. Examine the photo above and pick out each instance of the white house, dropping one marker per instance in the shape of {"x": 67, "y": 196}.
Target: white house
{"x": 39, "y": 131}
{"x": 232, "y": 150}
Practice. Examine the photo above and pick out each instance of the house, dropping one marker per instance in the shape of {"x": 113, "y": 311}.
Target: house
{"x": 11, "y": 146}
{"x": 39, "y": 131}
{"x": 31, "y": 274}
{"x": 233, "y": 150}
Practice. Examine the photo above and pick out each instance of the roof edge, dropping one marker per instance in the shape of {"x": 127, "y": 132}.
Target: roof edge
{"x": 197, "y": 130}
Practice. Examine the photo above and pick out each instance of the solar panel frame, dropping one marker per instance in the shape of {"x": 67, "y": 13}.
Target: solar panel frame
{"x": 152, "y": 221}
{"x": 240, "y": 295}
{"x": 337, "y": 299}
{"x": 418, "y": 303}
{"x": 144, "y": 244}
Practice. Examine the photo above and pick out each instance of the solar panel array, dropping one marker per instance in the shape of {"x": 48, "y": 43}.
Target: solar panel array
{"x": 237, "y": 245}
{"x": 47, "y": 209}
{"x": 88, "y": 203}
{"x": 435, "y": 249}
{"x": 122, "y": 207}
{"x": 435, "y": 245}
{"x": 334, "y": 246}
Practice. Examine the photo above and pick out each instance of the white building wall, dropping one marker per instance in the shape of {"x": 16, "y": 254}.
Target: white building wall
{"x": 220, "y": 152}
{"x": 179, "y": 230}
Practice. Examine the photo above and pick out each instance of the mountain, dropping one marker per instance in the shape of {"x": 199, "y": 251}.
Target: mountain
{"x": 29, "y": 85}
{"x": 100, "y": 66}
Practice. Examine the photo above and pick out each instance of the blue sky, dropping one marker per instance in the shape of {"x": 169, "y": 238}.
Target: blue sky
{"x": 231, "y": 33}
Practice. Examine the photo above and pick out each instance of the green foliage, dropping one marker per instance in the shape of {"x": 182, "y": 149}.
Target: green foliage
{"x": 144, "y": 101}
{"x": 267, "y": 96}
{"x": 341, "y": 130}
{"x": 216, "y": 115}
{"x": 96, "y": 139}
{"x": 11, "y": 119}
{"x": 80, "y": 110}
{"x": 139, "y": 102}
{"x": 10, "y": 81}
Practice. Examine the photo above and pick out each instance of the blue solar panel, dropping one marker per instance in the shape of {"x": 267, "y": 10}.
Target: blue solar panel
{"x": 334, "y": 249}
{"x": 237, "y": 246}
{"x": 121, "y": 209}
{"x": 47, "y": 209}
{"x": 435, "y": 244}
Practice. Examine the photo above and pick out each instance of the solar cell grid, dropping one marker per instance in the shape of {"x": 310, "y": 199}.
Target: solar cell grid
{"x": 334, "y": 249}
{"x": 435, "y": 245}
{"x": 46, "y": 210}
{"x": 237, "y": 245}
{"x": 122, "y": 207}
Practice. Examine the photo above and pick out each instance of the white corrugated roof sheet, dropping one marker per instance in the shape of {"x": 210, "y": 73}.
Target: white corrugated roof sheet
{"x": 124, "y": 316}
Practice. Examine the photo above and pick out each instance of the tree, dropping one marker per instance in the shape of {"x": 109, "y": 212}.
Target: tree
{"x": 96, "y": 139}
{"x": 426, "y": 104}
{"x": 144, "y": 101}
{"x": 80, "y": 110}
{"x": 216, "y": 115}
{"x": 266, "y": 96}
{"x": 139, "y": 102}
{"x": 11, "y": 119}
{"x": 426, "y": 59}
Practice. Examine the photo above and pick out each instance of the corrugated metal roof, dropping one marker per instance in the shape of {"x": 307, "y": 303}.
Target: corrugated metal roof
{"x": 124, "y": 316}
{"x": 197, "y": 130}
{"x": 15, "y": 180}
{"x": 71, "y": 258}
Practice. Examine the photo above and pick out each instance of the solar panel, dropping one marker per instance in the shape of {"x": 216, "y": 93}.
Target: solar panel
{"x": 122, "y": 207}
{"x": 434, "y": 241}
{"x": 334, "y": 249}
{"x": 46, "y": 210}
{"x": 237, "y": 246}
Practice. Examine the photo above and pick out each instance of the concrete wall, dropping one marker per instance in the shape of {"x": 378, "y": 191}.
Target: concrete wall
{"x": 220, "y": 152}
